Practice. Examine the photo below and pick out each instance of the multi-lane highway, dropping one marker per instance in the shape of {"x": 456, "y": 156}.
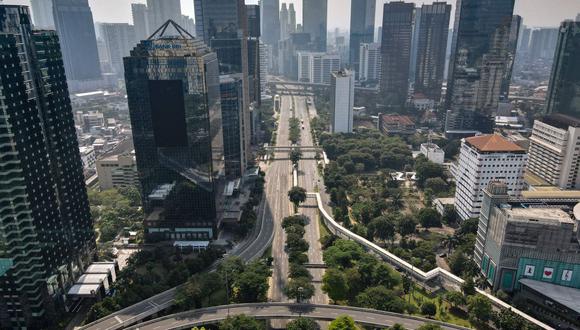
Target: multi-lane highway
{"x": 273, "y": 311}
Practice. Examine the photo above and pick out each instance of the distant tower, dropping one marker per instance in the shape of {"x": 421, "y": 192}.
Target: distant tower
{"x": 46, "y": 237}
{"x": 159, "y": 11}
{"x": 284, "y": 19}
{"x": 314, "y": 21}
{"x": 362, "y": 28}
{"x": 396, "y": 52}
{"x": 291, "y": 19}
{"x": 341, "y": 101}
{"x": 76, "y": 31}
{"x": 270, "y": 22}
{"x": 140, "y": 21}
{"x": 479, "y": 54}
{"x": 119, "y": 39}
{"x": 42, "y": 14}
{"x": 512, "y": 48}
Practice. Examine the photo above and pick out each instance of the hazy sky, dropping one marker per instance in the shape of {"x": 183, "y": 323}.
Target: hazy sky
{"x": 534, "y": 12}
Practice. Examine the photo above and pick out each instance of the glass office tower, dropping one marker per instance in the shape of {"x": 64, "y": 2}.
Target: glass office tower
{"x": 173, "y": 95}
{"x": 314, "y": 22}
{"x": 231, "y": 93}
{"x": 479, "y": 55}
{"x": 564, "y": 90}
{"x": 46, "y": 230}
{"x": 362, "y": 28}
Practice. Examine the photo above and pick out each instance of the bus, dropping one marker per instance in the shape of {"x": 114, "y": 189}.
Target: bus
{"x": 277, "y": 103}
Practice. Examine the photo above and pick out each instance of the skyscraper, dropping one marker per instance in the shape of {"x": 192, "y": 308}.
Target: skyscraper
{"x": 140, "y": 21}
{"x": 370, "y": 62}
{"x": 515, "y": 31}
{"x": 253, "y": 14}
{"x": 543, "y": 42}
{"x": 232, "y": 107}
{"x": 284, "y": 19}
{"x": 119, "y": 38}
{"x": 42, "y": 14}
{"x": 341, "y": 101}
{"x": 314, "y": 22}
{"x": 432, "y": 39}
{"x": 396, "y": 52}
{"x": 46, "y": 237}
{"x": 479, "y": 54}
{"x": 270, "y": 22}
{"x": 159, "y": 11}
{"x": 291, "y": 19}
{"x": 362, "y": 28}
{"x": 564, "y": 90}
{"x": 174, "y": 102}
{"x": 76, "y": 30}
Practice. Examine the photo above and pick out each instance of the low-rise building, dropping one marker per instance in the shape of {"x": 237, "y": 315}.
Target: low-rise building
{"x": 396, "y": 124}
{"x": 88, "y": 157}
{"x": 117, "y": 171}
{"x": 433, "y": 152}
{"x": 483, "y": 159}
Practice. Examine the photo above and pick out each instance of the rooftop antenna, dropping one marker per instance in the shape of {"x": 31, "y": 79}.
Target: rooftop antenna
{"x": 160, "y": 32}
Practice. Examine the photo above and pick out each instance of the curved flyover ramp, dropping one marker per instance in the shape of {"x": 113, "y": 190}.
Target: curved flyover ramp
{"x": 269, "y": 311}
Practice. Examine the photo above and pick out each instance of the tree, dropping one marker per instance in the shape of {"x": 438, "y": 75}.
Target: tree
{"x": 343, "y": 322}
{"x": 507, "y": 320}
{"x": 297, "y": 195}
{"x": 342, "y": 254}
{"x": 468, "y": 287}
{"x": 479, "y": 308}
{"x": 455, "y": 298}
{"x": 429, "y": 217}
{"x": 382, "y": 227}
{"x": 302, "y": 323}
{"x": 437, "y": 185}
{"x": 469, "y": 226}
{"x": 300, "y": 289}
{"x": 240, "y": 322}
{"x": 428, "y": 308}
{"x": 295, "y": 220}
{"x": 381, "y": 298}
{"x": 295, "y": 156}
{"x": 458, "y": 261}
{"x": 429, "y": 326}
{"x": 397, "y": 326}
{"x": 406, "y": 226}
{"x": 426, "y": 169}
{"x": 334, "y": 284}
{"x": 297, "y": 270}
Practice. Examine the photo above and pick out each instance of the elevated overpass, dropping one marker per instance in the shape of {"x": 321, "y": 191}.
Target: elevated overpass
{"x": 272, "y": 311}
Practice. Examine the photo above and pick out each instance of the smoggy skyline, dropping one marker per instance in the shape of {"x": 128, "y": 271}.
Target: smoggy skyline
{"x": 536, "y": 13}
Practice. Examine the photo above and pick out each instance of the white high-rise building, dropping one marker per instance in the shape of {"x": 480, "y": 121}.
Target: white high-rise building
{"x": 483, "y": 159}
{"x": 264, "y": 63}
{"x": 370, "y": 62}
{"x": 316, "y": 67}
{"x": 341, "y": 101}
{"x": 554, "y": 154}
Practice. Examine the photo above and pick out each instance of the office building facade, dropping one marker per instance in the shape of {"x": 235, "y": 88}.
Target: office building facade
{"x": 270, "y": 22}
{"x": 174, "y": 103}
{"x": 396, "y": 52}
{"x": 140, "y": 21}
{"x": 159, "y": 11}
{"x": 118, "y": 38}
{"x": 543, "y": 42}
{"x": 46, "y": 237}
{"x": 314, "y": 22}
{"x": 231, "y": 94}
{"x": 42, "y": 14}
{"x": 118, "y": 171}
{"x": 362, "y": 29}
{"x": 317, "y": 68}
{"x": 432, "y": 35}
{"x": 483, "y": 159}
{"x": 369, "y": 69}
{"x": 479, "y": 54}
{"x": 553, "y": 151}
{"x": 75, "y": 27}
{"x": 341, "y": 101}
{"x": 564, "y": 89}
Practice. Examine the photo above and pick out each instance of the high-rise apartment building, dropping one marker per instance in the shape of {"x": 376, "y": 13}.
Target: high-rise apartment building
{"x": 431, "y": 35}
{"x": 341, "y": 101}
{"x": 119, "y": 38}
{"x": 140, "y": 21}
{"x": 46, "y": 236}
{"x": 317, "y": 68}
{"x": 284, "y": 19}
{"x": 232, "y": 106}
{"x": 174, "y": 102}
{"x": 270, "y": 22}
{"x": 396, "y": 52}
{"x": 159, "y": 11}
{"x": 483, "y": 159}
{"x": 75, "y": 27}
{"x": 42, "y": 14}
{"x": 479, "y": 54}
{"x": 369, "y": 62}
{"x": 314, "y": 22}
{"x": 362, "y": 29}
{"x": 564, "y": 90}
{"x": 552, "y": 152}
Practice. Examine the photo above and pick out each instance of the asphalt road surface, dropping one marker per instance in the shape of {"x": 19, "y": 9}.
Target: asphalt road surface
{"x": 272, "y": 311}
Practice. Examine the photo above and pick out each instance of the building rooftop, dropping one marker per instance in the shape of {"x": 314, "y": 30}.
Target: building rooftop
{"x": 397, "y": 119}
{"x": 544, "y": 215}
{"x": 561, "y": 121}
{"x": 567, "y": 296}
{"x": 493, "y": 143}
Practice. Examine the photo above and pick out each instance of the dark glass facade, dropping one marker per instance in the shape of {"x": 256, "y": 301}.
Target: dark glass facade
{"x": 46, "y": 230}
{"x": 270, "y": 21}
{"x": 231, "y": 93}
{"x": 432, "y": 36}
{"x": 314, "y": 22}
{"x": 512, "y": 48}
{"x": 76, "y": 30}
{"x": 253, "y": 14}
{"x": 362, "y": 28}
{"x": 396, "y": 52}
{"x": 564, "y": 90}
{"x": 174, "y": 103}
{"x": 479, "y": 54}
